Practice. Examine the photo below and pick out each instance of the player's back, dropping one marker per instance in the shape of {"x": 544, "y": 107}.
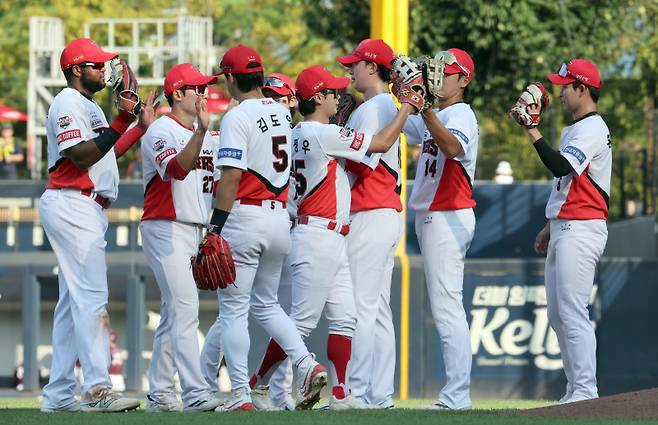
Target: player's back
{"x": 256, "y": 139}
{"x": 322, "y": 187}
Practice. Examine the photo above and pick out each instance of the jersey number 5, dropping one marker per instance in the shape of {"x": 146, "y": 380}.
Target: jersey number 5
{"x": 300, "y": 181}
{"x": 280, "y": 152}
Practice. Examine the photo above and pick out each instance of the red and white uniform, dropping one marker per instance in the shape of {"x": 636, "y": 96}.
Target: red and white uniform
{"x": 375, "y": 229}
{"x": 443, "y": 184}
{"x": 75, "y": 224}
{"x": 583, "y": 195}
{"x": 255, "y": 137}
{"x": 577, "y": 209}
{"x": 176, "y": 207}
{"x": 188, "y": 200}
{"x": 72, "y": 118}
{"x": 320, "y": 269}
{"x": 445, "y": 223}
{"x": 322, "y": 186}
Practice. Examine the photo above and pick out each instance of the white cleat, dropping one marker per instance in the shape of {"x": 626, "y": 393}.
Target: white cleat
{"x": 73, "y": 407}
{"x": 439, "y": 405}
{"x": 312, "y": 376}
{"x": 575, "y": 398}
{"x": 103, "y": 400}
{"x": 240, "y": 402}
{"x": 207, "y": 405}
{"x": 348, "y": 403}
{"x": 260, "y": 397}
{"x": 155, "y": 406}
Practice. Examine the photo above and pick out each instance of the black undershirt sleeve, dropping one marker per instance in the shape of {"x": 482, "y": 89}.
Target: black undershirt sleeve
{"x": 106, "y": 140}
{"x": 552, "y": 159}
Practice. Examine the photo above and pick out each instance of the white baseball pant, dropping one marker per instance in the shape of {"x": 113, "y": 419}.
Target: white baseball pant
{"x": 168, "y": 246}
{"x": 76, "y": 226}
{"x": 574, "y": 250}
{"x": 260, "y": 240}
{"x": 444, "y": 238}
{"x": 371, "y": 243}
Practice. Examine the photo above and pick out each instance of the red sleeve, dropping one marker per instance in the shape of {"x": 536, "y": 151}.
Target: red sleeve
{"x": 128, "y": 139}
{"x": 361, "y": 170}
{"x": 122, "y": 121}
{"x": 175, "y": 171}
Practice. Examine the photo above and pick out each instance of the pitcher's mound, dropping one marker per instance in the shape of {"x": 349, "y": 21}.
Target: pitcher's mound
{"x": 633, "y": 405}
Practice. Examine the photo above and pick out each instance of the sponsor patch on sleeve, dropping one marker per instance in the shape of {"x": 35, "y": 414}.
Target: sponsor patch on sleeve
{"x": 165, "y": 154}
{"x": 229, "y": 153}
{"x": 64, "y": 121}
{"x": 214, "y": 133}
{"x": 68, "y": 135}
{"x": 358, "y": 141}
{"x": 346, "y": 135}
{"x": 158, "y": 145}
{"x": 459, "y": 134}
{"x": 576, "y": 153}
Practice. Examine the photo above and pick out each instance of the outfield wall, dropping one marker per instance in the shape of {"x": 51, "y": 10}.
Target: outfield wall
{"x": 515, "y": 353}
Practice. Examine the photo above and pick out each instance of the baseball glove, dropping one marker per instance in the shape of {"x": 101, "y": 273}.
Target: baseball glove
{"x": 408, "y": 83}
{"x": 432, "y": 75}
{"x": 346, "y": 105}
{"x": 124, "y": 85}
{"x": 534, "y": 94}
{"x": 212, "y": 266}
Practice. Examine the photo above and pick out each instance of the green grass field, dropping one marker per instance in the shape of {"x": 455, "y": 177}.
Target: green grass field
{"x": 24, "y": 411}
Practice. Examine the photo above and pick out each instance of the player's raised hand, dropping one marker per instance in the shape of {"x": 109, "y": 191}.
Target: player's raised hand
{"x": 203, "y": 117}
{"x": 147, "y": 113}
{"x": 531, "y": 104}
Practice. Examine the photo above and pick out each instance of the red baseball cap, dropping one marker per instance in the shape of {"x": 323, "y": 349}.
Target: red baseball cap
{"x": 83, "y": 50}
{"x": 240, "y": 59}
{"x": 464, "y": 64}
{"x": 315, "y": 79}
{"x": 280, "y": 84}
{"x": 371, "y": 50}
{"x": 185, "y": 74}
{"x": 581, "y": 70}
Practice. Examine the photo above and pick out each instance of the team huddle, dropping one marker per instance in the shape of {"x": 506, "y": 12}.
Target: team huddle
{"x": 289, "y": 221}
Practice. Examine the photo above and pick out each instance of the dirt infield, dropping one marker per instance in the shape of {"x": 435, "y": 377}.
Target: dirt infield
{"x": 633, "y": 405}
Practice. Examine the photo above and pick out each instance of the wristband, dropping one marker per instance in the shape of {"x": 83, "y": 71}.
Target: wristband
{"x": 217, "y": 220}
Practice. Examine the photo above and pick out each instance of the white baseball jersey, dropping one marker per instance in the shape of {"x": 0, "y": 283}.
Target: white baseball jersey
{"x": 583, "y": 194}
{"x": 441, "y": 183}
{"x": 189, "y": 200}
{"x": 321, "y": 183}
{"x": 381, "y": 188}
{"x": 72, "y": 119}
{"x": 242, "y": 146}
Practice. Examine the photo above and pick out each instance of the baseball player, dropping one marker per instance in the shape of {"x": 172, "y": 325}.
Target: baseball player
{"x": 375, "y": 227}
{"x": 178, "y": 161}
{"x": 278, "y": 396}
{"x": 83, "y": 181}
{"x": 250, "y": 213}
{"x": 445, "y": 223}
{"x": 576, "y": 233}
{"x": 321, "y": 275}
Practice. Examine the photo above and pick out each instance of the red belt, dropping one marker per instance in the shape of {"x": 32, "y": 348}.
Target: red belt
{"x": 263, "y": 202}
{"x": 100, "y": 200}
{"x": 331, "y": 225}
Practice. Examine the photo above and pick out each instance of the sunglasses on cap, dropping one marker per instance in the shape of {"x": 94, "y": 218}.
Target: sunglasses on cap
{"x": 564, "y": 70}
{"x": 198, "y": 90}
{"x": 449, "y": 58}
{"x": 276, "y": 82}
{"x": 327, "y": 92}
{"x": 96, "y": 65}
